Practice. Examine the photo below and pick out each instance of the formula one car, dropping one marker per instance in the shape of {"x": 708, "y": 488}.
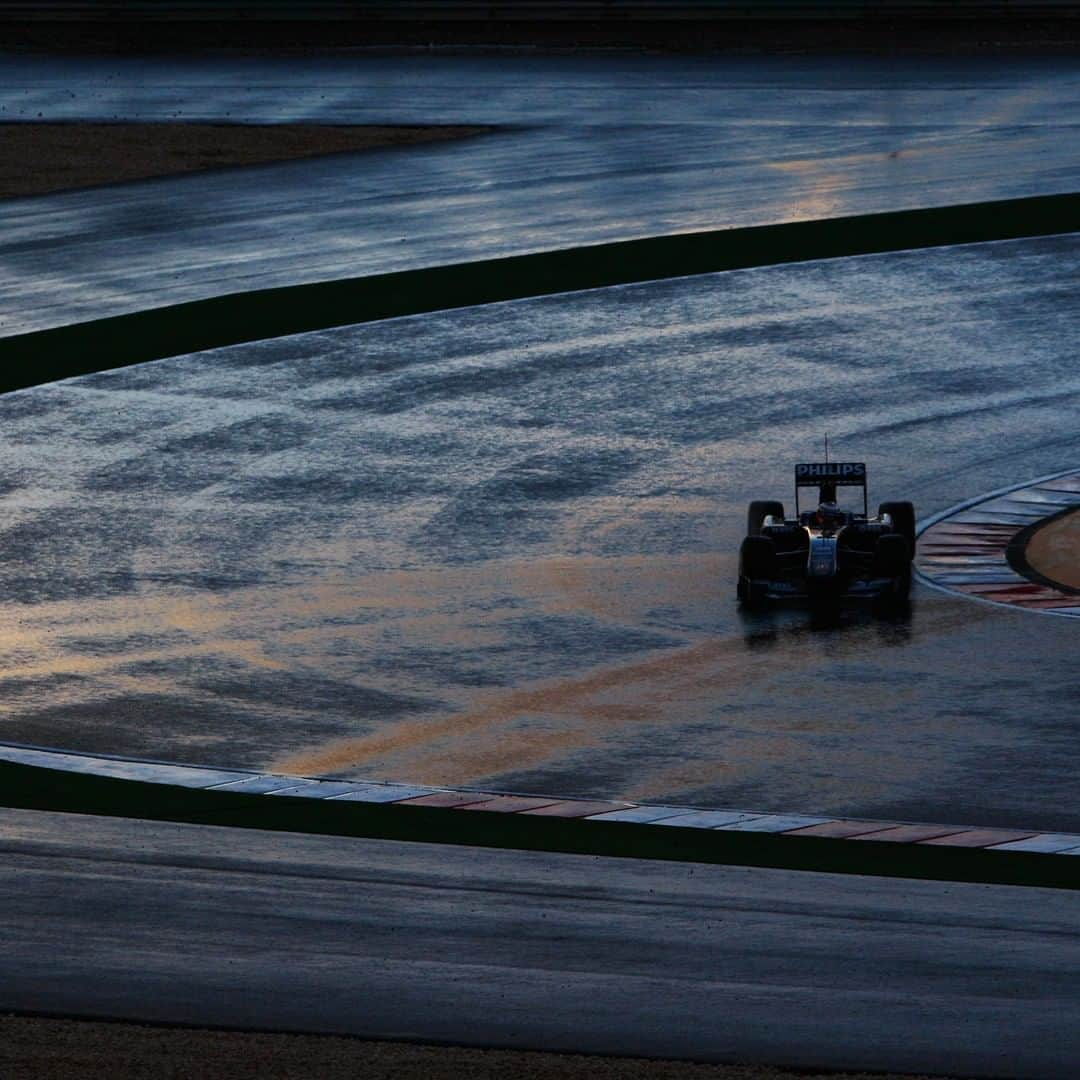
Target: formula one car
{"x": 826, "y": 552}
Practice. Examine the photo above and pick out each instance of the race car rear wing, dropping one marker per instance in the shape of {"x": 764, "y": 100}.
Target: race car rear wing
{"x": 827, "y": 476}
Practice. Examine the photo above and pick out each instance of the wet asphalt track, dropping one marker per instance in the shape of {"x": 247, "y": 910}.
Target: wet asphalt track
{"x": 525, "y": 949}
{"x": 499, "y": 544}
{"x": 596, "y": 148}
{"x": 496, "y": 547}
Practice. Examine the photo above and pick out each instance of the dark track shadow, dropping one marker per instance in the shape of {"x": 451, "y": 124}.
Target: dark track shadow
{"x": 769, "y": 628}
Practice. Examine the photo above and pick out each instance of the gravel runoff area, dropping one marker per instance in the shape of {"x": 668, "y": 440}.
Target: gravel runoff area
{"x": 37, "y": 158}
{"x": 1053, "y": 551}
{"x": 46, "y": 1048}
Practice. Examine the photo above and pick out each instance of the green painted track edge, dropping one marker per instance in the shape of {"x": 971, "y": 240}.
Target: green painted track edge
{"x": 33, "y": 787}
{"x": 118, "y": 341}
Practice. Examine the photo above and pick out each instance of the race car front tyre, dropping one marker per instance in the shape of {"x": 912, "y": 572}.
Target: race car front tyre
{"x": 759, "y": 510}
{"x": 903, "y": 521}
{"x": 894, "y": 561}
{"x": 757, "y": 564}
{"x": 751, "y": 594}
{"x": 757, "y": 558}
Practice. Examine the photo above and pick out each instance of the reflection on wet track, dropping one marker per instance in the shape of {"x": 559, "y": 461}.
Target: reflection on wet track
{"x": 497, "y": 546}
{"x": 595, "y": 148}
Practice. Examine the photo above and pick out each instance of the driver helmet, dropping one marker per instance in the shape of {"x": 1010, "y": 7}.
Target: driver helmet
{"x": 828, "y": 513}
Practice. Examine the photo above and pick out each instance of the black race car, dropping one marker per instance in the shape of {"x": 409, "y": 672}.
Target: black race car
{"x": 826, "y": 552}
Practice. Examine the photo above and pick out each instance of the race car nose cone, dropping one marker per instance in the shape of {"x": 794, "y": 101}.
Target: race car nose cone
{"x": 822, "y": 560}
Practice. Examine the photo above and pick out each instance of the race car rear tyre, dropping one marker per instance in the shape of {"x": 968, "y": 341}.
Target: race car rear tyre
{"x": 757, "y": 557}
{"x": 757, "y": 565}
{"x": 894, "y": 561}
{"x": 751, "y": 595}
{"x": 759, "y": 510}
{"x": 903, "y": 521}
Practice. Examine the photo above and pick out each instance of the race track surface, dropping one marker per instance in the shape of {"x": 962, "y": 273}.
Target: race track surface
{"x": 237, "y": 928}
{"x": 595, "y": 148}
{"x": 496, "y": 547}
